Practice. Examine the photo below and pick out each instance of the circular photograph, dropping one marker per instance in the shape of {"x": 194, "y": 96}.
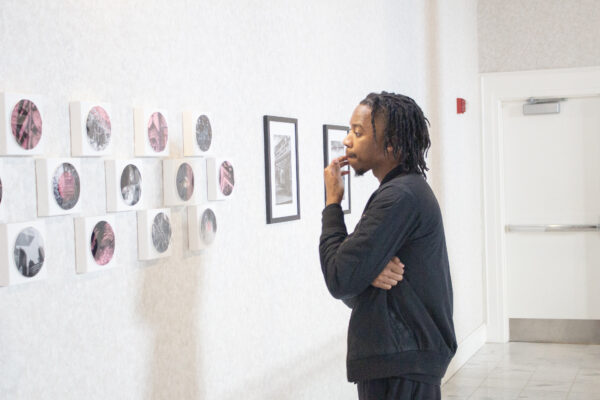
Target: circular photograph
{"x": 29, "y": 252}
{"x": 208, "y": 226}
{"x": 226, "y": 181}
{"x": 158, "y": 132}
{"x": 185, "y": 181}
{"x": 203, "y": 133}
{"x": 131, "y": 185}
{"x": 26, "y": 123}
{"x": 102, "y": 243}
{"x": 98, "y": 128}
{"x": 161, "y": 232}
{"x": 66, "y": 186}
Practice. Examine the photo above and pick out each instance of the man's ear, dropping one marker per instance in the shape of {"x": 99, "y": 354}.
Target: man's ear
{"x": 390, "y": 153}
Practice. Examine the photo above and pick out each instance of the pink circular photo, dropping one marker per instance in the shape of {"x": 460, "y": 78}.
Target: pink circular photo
{"x": 26, "y": 124}
{"x": 226, "y": 180}
{"x": 102, "y": 243}
{"x": 158, "y": 132}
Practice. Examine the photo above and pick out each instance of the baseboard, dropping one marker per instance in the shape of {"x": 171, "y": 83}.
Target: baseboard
{"x": 466, "y": 349}
{"x": 576, "y": 331}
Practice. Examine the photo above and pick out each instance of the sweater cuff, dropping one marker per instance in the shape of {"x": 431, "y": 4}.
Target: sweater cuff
{"x": 333, "y": 216}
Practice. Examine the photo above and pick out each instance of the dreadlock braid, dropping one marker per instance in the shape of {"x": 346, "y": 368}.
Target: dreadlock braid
{"x": 406, "y": 129}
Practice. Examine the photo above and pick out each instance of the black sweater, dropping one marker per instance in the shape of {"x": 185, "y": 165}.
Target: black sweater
{"x": 406, "y": 331}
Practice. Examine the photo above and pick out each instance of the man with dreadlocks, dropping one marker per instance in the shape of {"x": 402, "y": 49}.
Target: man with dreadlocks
{"x": 401, "y": 335}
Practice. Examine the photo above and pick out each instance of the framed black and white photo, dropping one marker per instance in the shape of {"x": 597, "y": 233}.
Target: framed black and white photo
{"x": 333, "y": 147}
{"x": 281, "y": 169}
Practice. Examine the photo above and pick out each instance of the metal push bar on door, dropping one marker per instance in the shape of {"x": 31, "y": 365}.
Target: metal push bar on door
{"x": 552, "y": 228}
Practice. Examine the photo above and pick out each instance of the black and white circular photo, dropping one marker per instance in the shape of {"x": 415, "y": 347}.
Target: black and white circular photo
{"x": 203, "y": 133}
{"x": 208, "y": 226}
{"x": 98, "y": 128}
{"x": 131, "y": 185}
{"x": 185, "y": 181}
{"x": 66, "y": 186}
{"x": 29, "y": 252}
{"x": 161, "y": 232}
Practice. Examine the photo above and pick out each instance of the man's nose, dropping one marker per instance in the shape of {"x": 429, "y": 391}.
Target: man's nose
{"x": 347, "y": 141}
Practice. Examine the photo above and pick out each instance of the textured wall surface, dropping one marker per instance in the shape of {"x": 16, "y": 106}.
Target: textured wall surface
{"x": 518, "y": 35}
{"x": 249, "y": 318}
{"x": 456, "y": 151}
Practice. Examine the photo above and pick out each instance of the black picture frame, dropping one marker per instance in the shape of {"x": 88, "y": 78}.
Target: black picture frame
{"x": 331, "y": 132}
{"x": 282, "y": 183}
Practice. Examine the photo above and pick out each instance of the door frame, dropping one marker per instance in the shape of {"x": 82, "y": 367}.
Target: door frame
{"x": 497, "y": 88}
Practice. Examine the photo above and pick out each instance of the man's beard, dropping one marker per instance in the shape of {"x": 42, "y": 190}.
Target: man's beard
{"x": 357, "y": 172}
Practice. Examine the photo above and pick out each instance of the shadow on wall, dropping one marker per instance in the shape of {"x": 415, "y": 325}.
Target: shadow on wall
{"x": 168, "y": 305}
{"x": 300, "y": 378}
{"x": 432, "y": 107}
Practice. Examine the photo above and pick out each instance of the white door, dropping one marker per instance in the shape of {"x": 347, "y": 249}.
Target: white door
{"x": 551, "y": 175}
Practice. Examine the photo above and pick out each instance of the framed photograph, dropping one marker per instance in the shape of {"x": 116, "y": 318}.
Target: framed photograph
{"x": 21, "y": 128}
{"x": 151, "y": 129}
{"x": 91, "y": 129}
{"x": 281, "y": 169}
{"x": 202, "y": 227}
{"x": 124, "y": 185}
{"x": 58, "y": 186}
{"x": 95, "y": 243}
{"x": 220, "y": 178}
{"x": 197, "y": 134}
{"x": 154, "y": 233}
{"x": 22, "y": 252}
{"x": 183, "y": 181}
{"x": 333, "y": 147}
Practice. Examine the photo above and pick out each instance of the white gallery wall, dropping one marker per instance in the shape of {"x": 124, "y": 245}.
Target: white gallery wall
{"x": 250, "y": 317}
{"x": 455, "y": 158}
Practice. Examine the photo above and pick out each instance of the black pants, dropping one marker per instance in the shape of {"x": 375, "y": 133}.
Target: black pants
{"x": 397, "y": 389}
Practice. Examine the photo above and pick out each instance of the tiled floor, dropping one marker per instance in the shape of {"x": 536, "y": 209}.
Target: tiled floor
{"x": 528, "y": 371}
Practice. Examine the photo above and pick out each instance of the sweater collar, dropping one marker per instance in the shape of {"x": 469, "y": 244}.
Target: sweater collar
{"x": 396, "y": 171}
